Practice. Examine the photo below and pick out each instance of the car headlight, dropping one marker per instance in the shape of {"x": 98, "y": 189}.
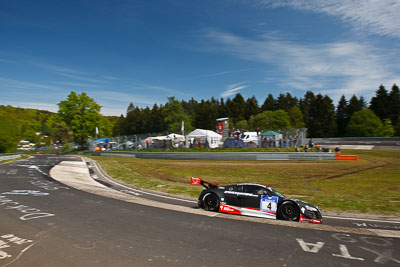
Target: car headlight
{"x": 311, "y": 208}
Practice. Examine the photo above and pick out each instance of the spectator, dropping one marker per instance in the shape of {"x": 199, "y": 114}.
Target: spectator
{"x": 318, "y": 148}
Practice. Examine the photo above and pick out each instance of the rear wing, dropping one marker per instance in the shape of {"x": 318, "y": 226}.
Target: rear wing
{"x": 198, "y": 180}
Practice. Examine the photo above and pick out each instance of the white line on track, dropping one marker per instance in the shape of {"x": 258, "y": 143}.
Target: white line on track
{"x": 359, "y": 219}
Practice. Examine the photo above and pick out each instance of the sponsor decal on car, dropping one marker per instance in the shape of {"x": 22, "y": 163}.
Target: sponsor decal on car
{"x": 228, "y": 209}
{"x": 195, "y": 180}
{"x": 240, "y": 193}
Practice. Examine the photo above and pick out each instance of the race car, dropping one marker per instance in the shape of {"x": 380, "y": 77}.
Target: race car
{"x": 255, "y": 200}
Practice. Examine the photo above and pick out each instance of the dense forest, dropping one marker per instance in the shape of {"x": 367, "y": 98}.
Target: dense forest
{"x": 317, "y": 113}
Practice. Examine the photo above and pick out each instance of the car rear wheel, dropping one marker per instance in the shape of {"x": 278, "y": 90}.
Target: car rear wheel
{"x": 288, "y": 211}
{"x": 211, "y": 202}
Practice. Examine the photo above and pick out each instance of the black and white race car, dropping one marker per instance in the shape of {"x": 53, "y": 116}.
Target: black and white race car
{"x": 255, "y": 200}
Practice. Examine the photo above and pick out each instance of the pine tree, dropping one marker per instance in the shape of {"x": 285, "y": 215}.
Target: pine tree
{"x": 354, "y": 105}
{"x": 342, "y": 117}
{"x": 269, "y": 103}
{"x": 223, "y": 111}
{"x": 380, "y": 102}
{"x": 285, "y": 102}
{"x": 157, "y": 119}
{"x": 321, "y": 117}
{"x": 252, "y": 107}
{"x": 394, "y": 105}
{"x": 306, "y": 104}
{"x": 237, "y": 108}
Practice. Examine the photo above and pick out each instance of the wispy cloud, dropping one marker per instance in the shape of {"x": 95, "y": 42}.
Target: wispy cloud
{"x": 7, "y": 61}
{"x": 156, "y": 90}
{"x": 68, "y": 84}
{"x": 379, "y": 17}
{"x": 23, "y": 85}
{"x": 69, "y": 73}
{"x": 216, "y": 74}
{"x": 60, "y": 69}
{"x": 233, "y": 89}
{"x": 349, "y": 67}
{"x": 136, "y": 99}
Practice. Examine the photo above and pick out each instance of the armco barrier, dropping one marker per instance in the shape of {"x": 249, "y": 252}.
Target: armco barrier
{"x": 10, "y": 156}
{"x": 224, "y": 155}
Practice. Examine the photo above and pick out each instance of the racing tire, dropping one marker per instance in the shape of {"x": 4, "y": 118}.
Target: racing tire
{"x": 288, "y": 211}
{"x": 211, "y": 202}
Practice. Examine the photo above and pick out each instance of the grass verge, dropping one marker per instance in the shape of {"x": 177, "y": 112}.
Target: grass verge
{"x": 370, "y": 185}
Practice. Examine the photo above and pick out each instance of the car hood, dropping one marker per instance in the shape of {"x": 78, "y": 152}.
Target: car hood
{"x": 307, "y": 206}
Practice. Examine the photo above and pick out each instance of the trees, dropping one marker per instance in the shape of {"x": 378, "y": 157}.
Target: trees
{"x": 285, "y": 102}
{"x": 252, "y": 107}
{"x": 237, "y": 108}
{"x": 269, "y": 103}
{"x": 394, "y": 105}
{"x": 8, "y": 135}
{"x": 270, "y": 120}
{"x": 82, "y": 115}
{"x": 296, "y": 117}
{"x": 242, "y": 125}
{"x": 174, "y": 115}
{"x": 355, "y": 105}
{"x": 342, "y": 117}
{"x": 380, "y": 102}
{"x": 366, "y": 123}
{"x": 319, "y": 115}
{"x": 314, "y": 112}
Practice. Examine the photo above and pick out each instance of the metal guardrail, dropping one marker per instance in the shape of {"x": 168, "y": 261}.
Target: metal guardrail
{"x": 10, "y": 156}
{"x": 376, "y": 141}
{"x": 223, "y": 155}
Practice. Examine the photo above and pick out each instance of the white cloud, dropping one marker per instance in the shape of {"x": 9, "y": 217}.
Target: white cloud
{"x": 233, "y": 89}
{"x": 337, "y": 67}
{"x": 373, "y": 16}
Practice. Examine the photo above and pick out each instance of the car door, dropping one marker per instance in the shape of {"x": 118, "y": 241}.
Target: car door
{"x": 249, "y": 198}
{"x": 230, "y": 195}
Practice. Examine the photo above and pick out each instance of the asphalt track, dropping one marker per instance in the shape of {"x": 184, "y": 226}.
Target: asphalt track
{"x": 47, "y": 223}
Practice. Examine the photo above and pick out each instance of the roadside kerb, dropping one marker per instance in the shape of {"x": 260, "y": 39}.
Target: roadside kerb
{"x": 76, "y": 175}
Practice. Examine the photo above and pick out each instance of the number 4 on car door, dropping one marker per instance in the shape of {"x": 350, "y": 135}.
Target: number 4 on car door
{"x": 268, "y": 204}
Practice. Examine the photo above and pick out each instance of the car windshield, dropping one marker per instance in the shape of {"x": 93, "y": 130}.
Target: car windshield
{"x": 275, "y": 193}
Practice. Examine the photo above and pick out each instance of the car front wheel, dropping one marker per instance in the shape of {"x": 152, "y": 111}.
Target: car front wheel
{"x": 211, "y": 202}
{"x": 288, "y": 211}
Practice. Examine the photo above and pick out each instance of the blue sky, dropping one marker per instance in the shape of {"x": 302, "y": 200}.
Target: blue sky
{"x": 123, "y": 51}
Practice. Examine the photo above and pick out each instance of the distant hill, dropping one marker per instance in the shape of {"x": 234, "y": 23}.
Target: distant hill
{"x": 37, "y": 126}
{"x": 20, "y": 123}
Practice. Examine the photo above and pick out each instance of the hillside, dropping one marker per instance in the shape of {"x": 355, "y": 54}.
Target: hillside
{"x": 29, "y": 124}
{"x": 37, "y": 126}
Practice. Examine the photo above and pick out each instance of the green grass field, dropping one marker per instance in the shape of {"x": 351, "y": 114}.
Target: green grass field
{"x": 370, "y": 185}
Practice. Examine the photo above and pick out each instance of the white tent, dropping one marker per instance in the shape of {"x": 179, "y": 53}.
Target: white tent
{"x": 213, "y": 139}
{"x": 176, "y": 137}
